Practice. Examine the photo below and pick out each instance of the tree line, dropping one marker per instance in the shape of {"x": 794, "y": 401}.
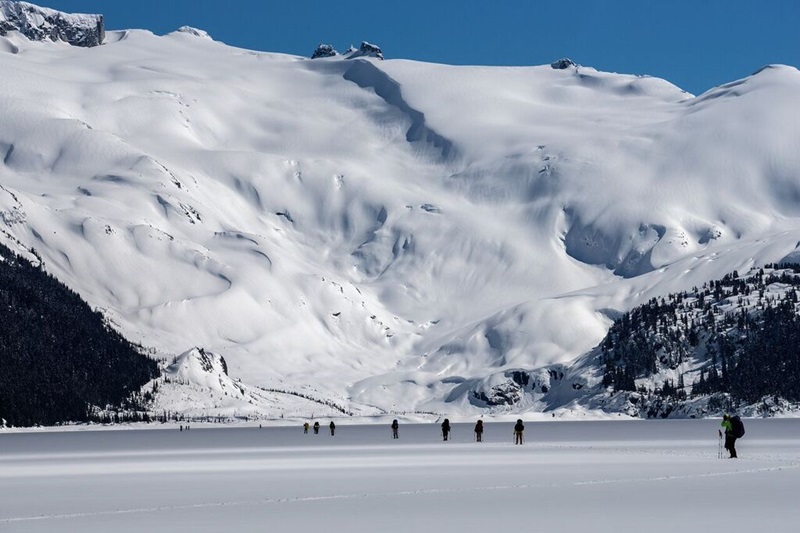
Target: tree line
{"x": 60, "y": 360}
{"x": 737, "y": 335}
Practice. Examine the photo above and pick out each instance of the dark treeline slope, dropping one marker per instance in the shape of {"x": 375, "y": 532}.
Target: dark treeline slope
{"x": 59, "y": 359}
{"x": 738, "y": 335}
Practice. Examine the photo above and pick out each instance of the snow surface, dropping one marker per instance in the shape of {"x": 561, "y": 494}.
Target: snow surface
{"x": 568, "y": 476}
{"x": 382, "y": 232}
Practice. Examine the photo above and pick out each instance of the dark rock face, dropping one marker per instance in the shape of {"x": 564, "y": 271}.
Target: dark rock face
{"x": 505, "y": 394}
{"x": 365, "y": 50}
{"x": 370, "y": 50}
{"x": 324, "y": 50}
{"x": 562, "y": 64}
{"x": 43, "y": 24}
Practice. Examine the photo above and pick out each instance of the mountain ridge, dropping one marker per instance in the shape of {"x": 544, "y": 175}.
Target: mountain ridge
{"x": 44, "y": 24}
{"x": 388, "y": 237}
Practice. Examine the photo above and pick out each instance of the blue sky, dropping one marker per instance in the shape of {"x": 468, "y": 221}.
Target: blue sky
{"x": 695, "y": 44}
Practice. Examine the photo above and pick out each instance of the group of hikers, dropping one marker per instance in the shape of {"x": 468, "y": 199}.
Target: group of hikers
{"x": 316, "y": 426}
{"x": 519, "y": 427}
{"x": 732, "y": 426}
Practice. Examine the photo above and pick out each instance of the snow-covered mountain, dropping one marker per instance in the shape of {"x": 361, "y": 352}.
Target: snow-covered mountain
{"x": 389, "y": 234}
{"x": 42, "y": 24}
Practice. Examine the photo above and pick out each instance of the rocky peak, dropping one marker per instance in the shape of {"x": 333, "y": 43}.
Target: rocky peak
{"x": 197, "y": 362}
{"x": 563, "y": 64}
{"x": 43, "y": 24}
{"x": 324, "y": 50}
{"x": 365, "y": 50}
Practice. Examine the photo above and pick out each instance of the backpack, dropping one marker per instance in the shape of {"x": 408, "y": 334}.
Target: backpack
{"x": 737, "y": 426}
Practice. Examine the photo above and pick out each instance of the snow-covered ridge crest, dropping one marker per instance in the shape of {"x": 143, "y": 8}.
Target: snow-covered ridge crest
{"x": 44, "y": 24}
{"x": 365, "y": 50}
{"x": 379, "y": 233}
{"x": 194, "y": 31}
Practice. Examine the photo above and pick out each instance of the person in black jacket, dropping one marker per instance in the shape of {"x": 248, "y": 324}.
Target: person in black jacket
{"x": 479, "y": 431}
{"x": 518, "y": 429}
{"x": 395, "y": 427}
{"x": 446, "y": 429}
{"x": 333, "y": 428}
{"x": 316, "y": 427}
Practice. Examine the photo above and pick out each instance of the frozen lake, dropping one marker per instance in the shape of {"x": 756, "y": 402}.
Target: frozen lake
{"x": 568, "y": 476}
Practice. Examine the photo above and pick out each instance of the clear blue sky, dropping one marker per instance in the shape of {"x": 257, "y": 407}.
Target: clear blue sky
{"x": 695, "y": 44}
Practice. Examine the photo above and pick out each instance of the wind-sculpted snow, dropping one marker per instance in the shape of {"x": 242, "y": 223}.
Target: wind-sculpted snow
{"x": 366, "y": 75}
{"x": 382, "y": 232}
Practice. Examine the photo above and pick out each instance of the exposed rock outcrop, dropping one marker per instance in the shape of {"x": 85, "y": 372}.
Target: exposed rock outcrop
{"x": 324, "y": 50}
{"x": 43, "y": 24}
{"x": 365, "y": 50}
{"x": 563, "y": 64}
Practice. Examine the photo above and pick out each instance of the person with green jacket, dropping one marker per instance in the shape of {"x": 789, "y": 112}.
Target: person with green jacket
{"x": 730, "y": 439}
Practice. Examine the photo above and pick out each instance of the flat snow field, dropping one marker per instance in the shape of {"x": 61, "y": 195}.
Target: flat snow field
{"x": 568, "y": 476}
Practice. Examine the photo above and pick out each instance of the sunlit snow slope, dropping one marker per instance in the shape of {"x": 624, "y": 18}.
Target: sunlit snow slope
{"x": 382, "y": 231}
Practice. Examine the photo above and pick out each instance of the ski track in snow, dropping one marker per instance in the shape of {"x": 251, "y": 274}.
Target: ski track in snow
{"x": 207, "y": 479}
{"x": 274, "y": 501}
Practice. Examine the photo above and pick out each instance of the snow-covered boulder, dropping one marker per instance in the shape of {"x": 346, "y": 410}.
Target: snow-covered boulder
{"x": 324, "y": 50}
{"x": 43, "y": 24}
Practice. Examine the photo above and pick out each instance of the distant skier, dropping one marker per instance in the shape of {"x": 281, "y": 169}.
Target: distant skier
{"x": 519, "y": 427}
{"x": 479, "y": 431}
{"x": 305, "y": 427}
{"x": 395, "y": 427}
{"x": 316, "y": 428}
{"x": 333, "y": 427}
{"x": 446, "y": 429}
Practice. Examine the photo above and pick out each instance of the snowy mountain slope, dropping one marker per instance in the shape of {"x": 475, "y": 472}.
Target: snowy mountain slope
{"x": 388, "y": 230}
{"x": 726, "y": 344}
{"x": 196, "y": 386}
{"x": 43, "y": 24}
